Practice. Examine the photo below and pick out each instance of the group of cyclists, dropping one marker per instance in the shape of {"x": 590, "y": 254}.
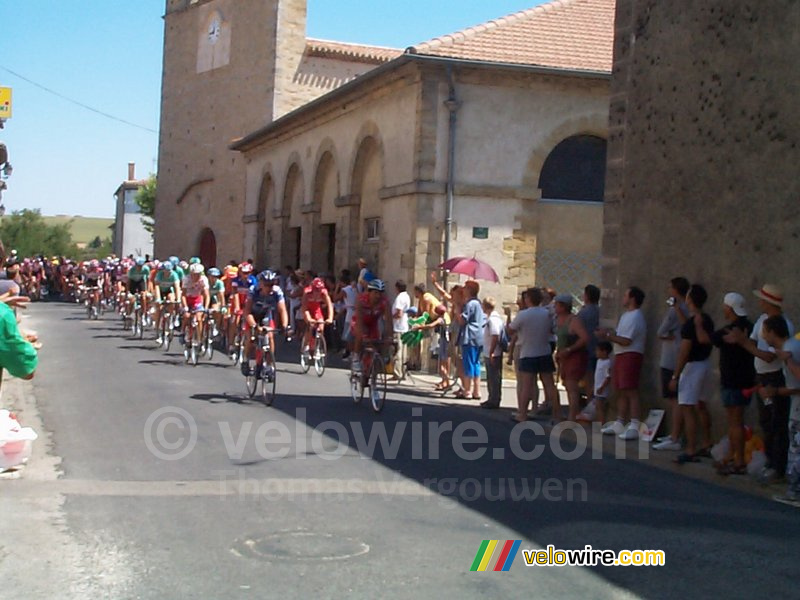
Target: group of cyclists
{"x": 234, "y": 309}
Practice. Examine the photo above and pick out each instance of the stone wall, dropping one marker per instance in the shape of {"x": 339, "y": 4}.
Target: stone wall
{"x": 703, "y": 153}
{"x": 200, "y": 181}
{"x": 401, "y": 177}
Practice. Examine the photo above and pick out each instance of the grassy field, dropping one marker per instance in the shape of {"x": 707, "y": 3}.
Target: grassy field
{"x": 84, "y": 229}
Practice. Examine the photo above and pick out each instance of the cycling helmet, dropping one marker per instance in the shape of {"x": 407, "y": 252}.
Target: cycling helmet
{"x": 196, "y": 268}
{"x": 214, "y": 272}
{"x": 139, "y": 261}
{"x": 195, "y": 260}
{"x": 94, "y": 264}
{"x": 245, "y": 268}
{"x": 155, "y": 263}
{"x": 266, "y": 276}
{"x": 377, "y": 285}
{"x": 183, "y": 265}
{"x": 317, "y": 284}
{"x": 174, "y": 260}
{"x": 167, "y": 266}
{"x": 231, "y": 271}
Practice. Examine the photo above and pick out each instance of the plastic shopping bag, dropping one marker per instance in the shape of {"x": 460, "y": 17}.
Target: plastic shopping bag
{"x": 16, "y": 442}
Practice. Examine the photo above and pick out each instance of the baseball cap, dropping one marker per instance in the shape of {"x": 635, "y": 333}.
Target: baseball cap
{"x": 736, "y": 303}
{"x": 564, "y": 299}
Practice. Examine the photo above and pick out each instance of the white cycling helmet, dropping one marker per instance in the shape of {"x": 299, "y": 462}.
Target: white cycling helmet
{"x": 196, "y": 268}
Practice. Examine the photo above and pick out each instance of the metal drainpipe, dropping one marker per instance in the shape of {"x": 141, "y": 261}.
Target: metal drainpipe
{"x": 452, "y": 105}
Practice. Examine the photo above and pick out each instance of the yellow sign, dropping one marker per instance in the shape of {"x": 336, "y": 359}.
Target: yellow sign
{"x": 5, "y": 103}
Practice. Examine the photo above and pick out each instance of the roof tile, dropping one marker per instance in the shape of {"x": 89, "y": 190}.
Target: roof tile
{"x": 565, "y": 34}
{"x": 351, "y": 52}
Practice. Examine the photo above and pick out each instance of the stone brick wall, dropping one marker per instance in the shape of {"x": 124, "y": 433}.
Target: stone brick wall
{"x": 703, "y": 153}
{"x": 200, "y": 181}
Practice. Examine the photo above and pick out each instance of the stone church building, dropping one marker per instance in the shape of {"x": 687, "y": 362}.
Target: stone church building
{"x": 490, "y": 141}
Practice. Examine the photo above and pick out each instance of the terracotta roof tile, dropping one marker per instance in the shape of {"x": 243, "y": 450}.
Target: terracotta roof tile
{"x": 565, "y": 34}
{"x": 351, "y": 52}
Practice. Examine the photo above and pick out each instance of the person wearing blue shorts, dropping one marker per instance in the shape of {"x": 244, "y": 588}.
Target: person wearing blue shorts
{"x": 472, "y": 320}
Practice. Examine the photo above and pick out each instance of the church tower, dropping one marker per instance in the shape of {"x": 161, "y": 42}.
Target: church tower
{"x": 225, "y": 65}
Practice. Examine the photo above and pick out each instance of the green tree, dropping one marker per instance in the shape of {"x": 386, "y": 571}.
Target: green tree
{"x": 146, "y": 199}
{"x": 27, "y": 232}
{"x": 95, "y": 243}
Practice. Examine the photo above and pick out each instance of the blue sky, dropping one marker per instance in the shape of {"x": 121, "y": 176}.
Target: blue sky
{"x": 106, "y": 54}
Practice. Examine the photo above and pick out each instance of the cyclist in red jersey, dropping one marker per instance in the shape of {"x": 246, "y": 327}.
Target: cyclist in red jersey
{"x": 314, "y": 297}
{"x": 371, "y": 307}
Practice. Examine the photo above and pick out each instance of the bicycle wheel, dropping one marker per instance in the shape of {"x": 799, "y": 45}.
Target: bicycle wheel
{"x": 250, "y": 381}
{"x": 169, "y": 332}
{"x": 319, "y": 355}
{"x": 237, "y": 348}
{"x": 161, "y": 332}
{"x": 269, "y": 379}
{"x": 305, "y": 360}
{"x": 356, "y": 389}
{"x": 195, "y": 348}
{"x": 377, "y": 383}
{"x": 140, "y": 318}
{"x": 137, "y": 324}
{"x": 208, "y": 342}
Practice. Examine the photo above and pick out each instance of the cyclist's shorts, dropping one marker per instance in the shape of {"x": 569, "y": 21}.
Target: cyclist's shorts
{"x": 316, "y": 313}
{"x": 91, "y": 283}
{"x": 195, "y": 303}
{"x": 260, "y": 318}
{"x": 136, "y": 286}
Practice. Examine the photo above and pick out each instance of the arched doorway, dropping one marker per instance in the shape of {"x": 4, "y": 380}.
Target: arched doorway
{"x": 208, "y": 248}
{"x": 326, "y": 190}
{"x": 265, "y": 203}
{"x": 367, "y": 180}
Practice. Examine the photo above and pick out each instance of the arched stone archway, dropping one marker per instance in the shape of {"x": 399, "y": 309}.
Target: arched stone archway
{"x": 366, "y": 183}
{"x": 591, "y": 125}
{"x": 266, "y": 201}
{"x": 292, "y": 224}
{"x": 324, "y": 214}
{"x": 207, "y": 247}
{"x": 575, "y": 170}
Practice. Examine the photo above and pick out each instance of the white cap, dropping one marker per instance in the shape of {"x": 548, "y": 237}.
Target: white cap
{"x": 736, "y": 303}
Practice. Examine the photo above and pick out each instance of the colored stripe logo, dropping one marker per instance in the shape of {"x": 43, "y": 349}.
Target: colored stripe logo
{"x": 503, "y": 551}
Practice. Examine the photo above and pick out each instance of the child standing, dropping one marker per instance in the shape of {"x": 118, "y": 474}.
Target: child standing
{"x": 596, "y": 409}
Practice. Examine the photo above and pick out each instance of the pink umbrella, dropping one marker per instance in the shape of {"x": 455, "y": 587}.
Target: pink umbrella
{"x": 471, "y": 267}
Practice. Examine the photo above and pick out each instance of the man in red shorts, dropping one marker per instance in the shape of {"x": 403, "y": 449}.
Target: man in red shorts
{"x": 629, "y": 343}
{"x": 315, "y": 297}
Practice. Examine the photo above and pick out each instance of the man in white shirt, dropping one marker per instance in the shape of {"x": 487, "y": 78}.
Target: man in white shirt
{"x": 493, "y": 352}
{"x": 532, "y": 328}
{"x": 629, "y": 341}
{"x": 776, "y": 333}
{"x": 402, "y": 303}
{"x": 773, "y": 412}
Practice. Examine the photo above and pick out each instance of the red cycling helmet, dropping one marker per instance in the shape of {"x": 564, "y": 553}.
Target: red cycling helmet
{"x": 317, "y": 284}
{"x": 245, "y": 268}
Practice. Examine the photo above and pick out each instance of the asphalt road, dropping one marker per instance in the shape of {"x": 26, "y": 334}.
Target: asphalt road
{"x": 172, "y": 484}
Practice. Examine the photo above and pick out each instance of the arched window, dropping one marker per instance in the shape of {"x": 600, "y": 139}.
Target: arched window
{"x": 575, "y": 170}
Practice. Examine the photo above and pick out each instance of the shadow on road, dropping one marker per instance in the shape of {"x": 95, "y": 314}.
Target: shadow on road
{"x": 627, "y": 505}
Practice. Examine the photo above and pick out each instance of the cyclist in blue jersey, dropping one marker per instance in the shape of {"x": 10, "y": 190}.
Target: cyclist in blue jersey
{"x": 262, "y": 303}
